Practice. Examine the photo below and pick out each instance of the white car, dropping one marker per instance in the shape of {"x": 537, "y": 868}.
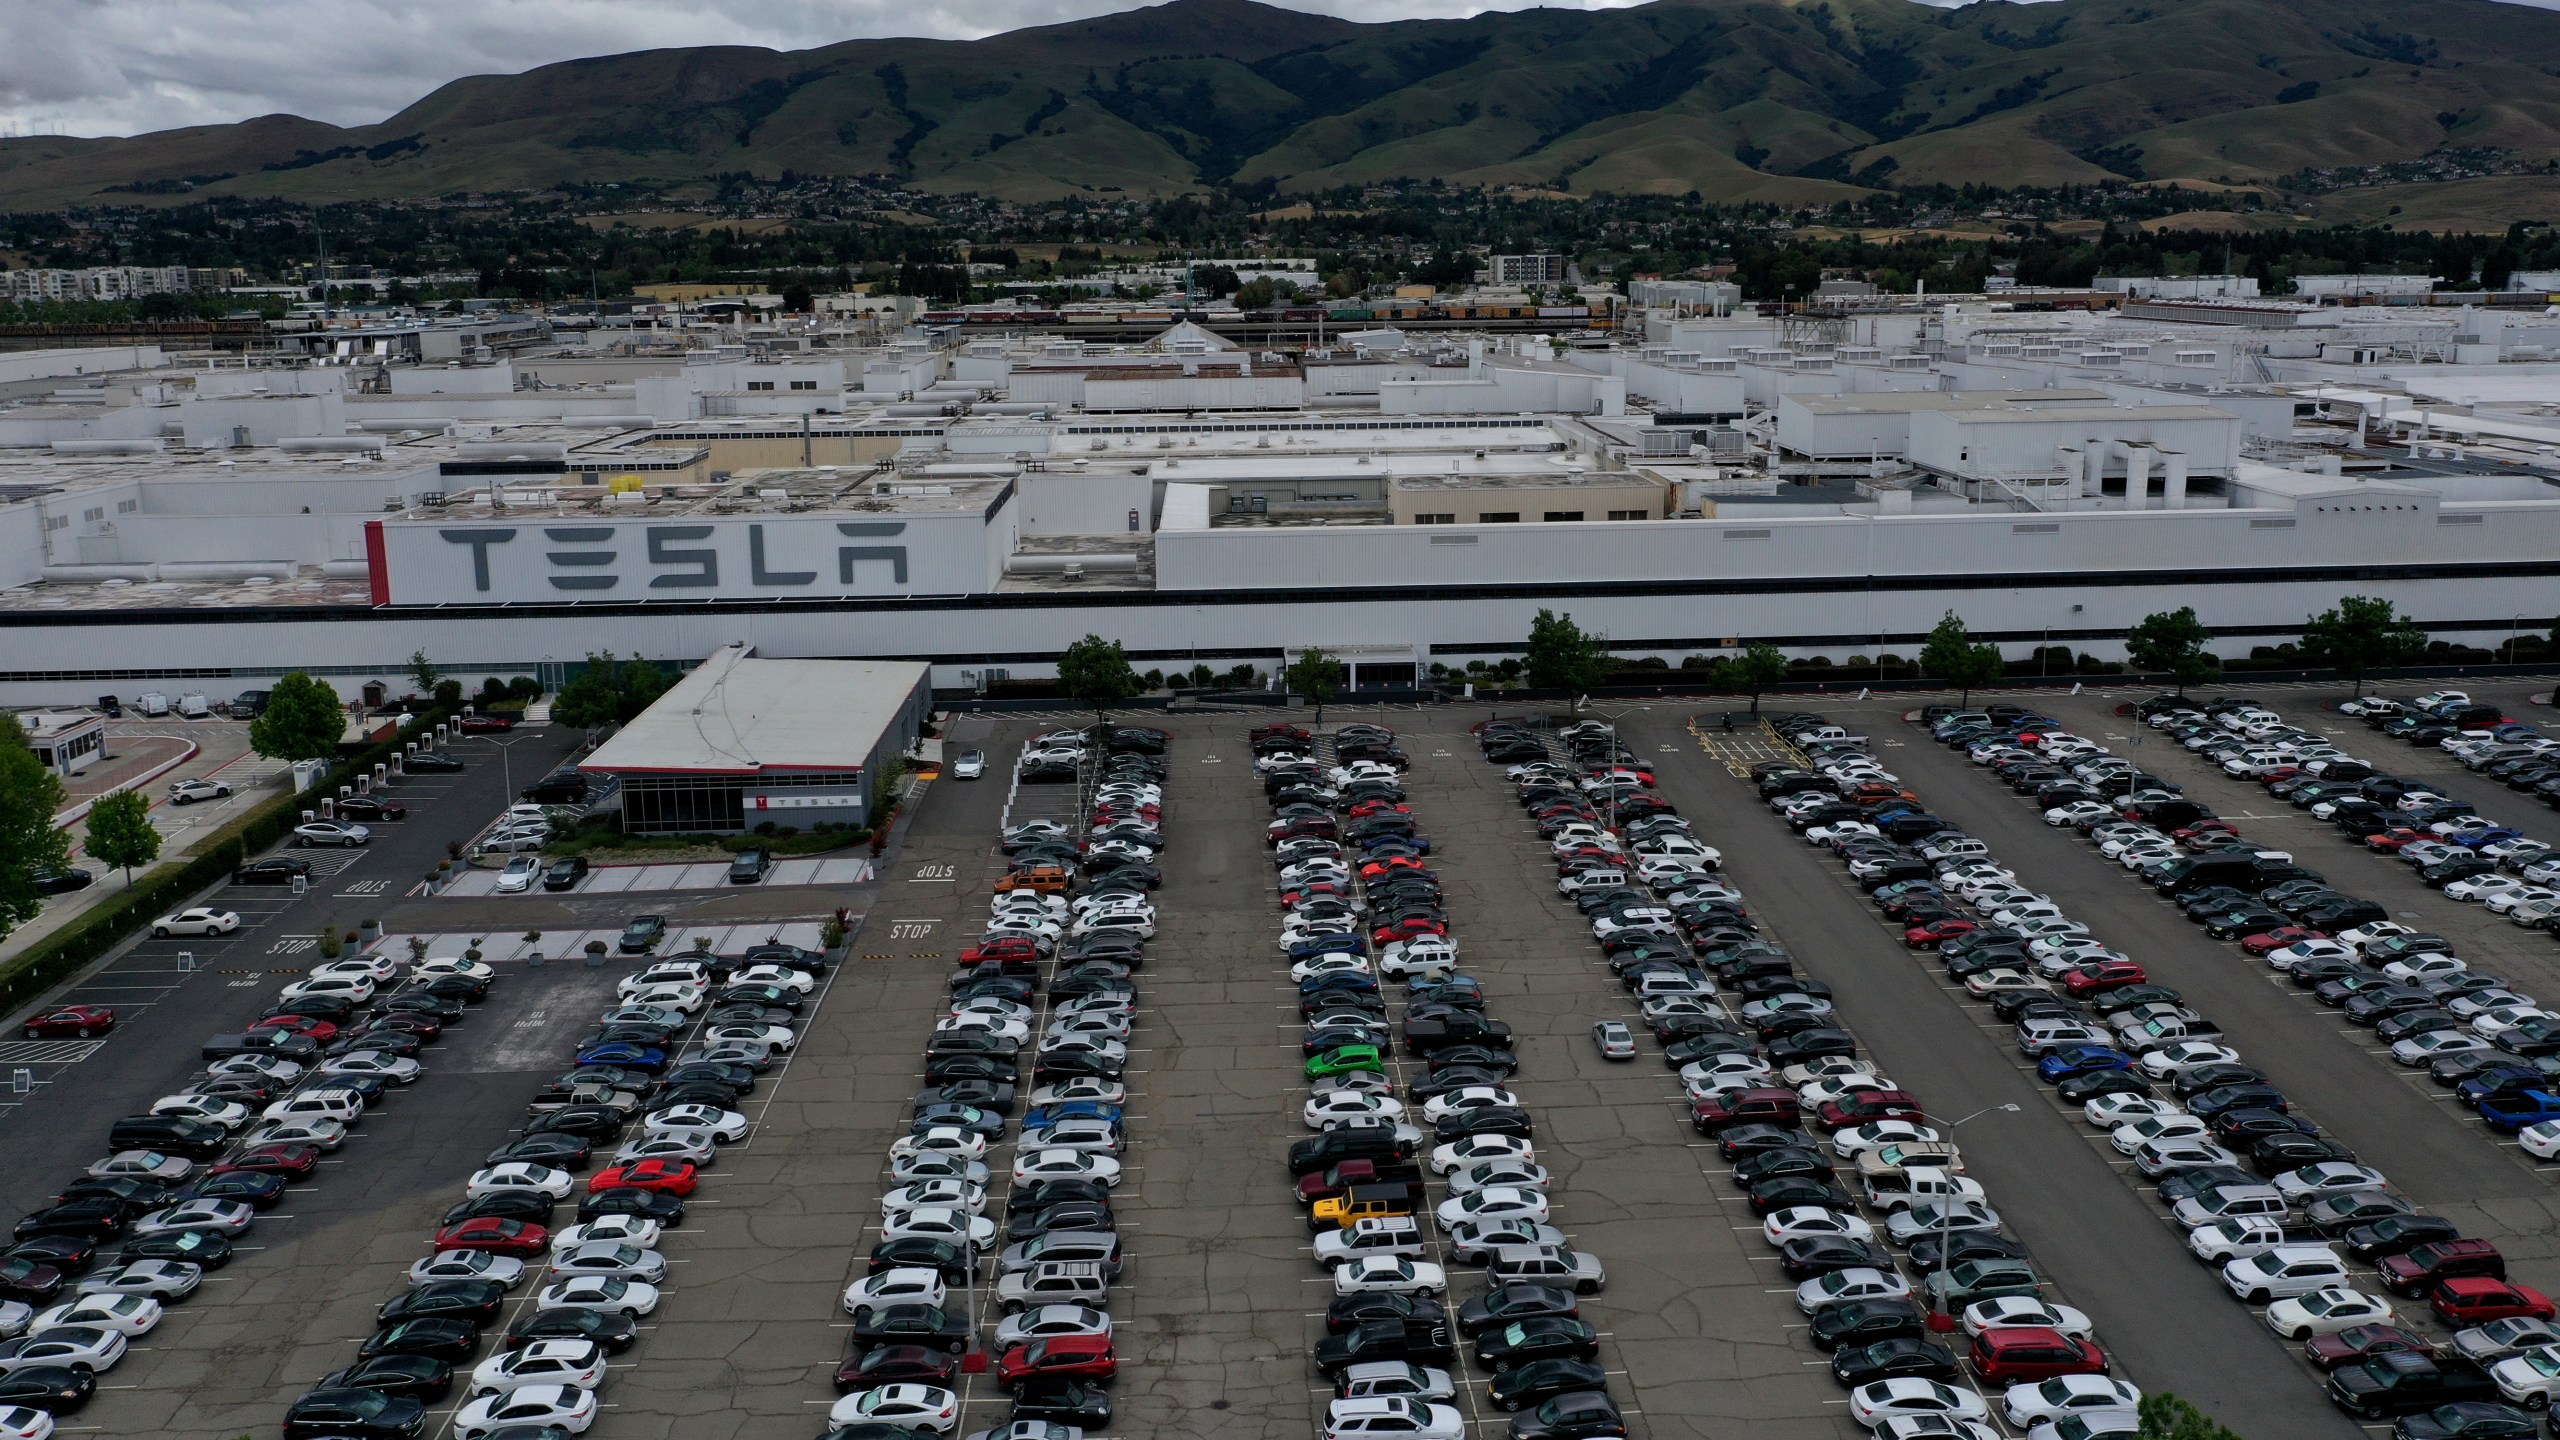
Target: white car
{"x": 517, "y": 1175}
{"x": 598, "y": 1292}
{"x": 935, "y": 1194}
{"x": 1393, "y": 1274}
{"x": 2130, "y": 1137}
{"x": 2328, "y": 1311}
{"x": 143, "y": 1165}
{"x": 1859, "y": 1283}
{"x": 376, "y": 968}
{"x": 228, "y": 1216}
{"x": 1467, "y": 1098}
{"x": 620, "y": 1262}
{"x": 2424, "y": 1049}
{"x": 344, "y": 1106}
{"x": 935, "y": 1165}
{"x": 2025, "y": 1310}
{"x": 2110, "y": 1111}
{"x": 1365, "y": 1417}
{"x": 951, "y": 1140}
{"x": 1499, "y": 1174}
{"x": 576, "y": 1363}
{"x": 2286, "y": 1271}
{"x": 2087, "y": 1396}
{"x": 2529, "y": 1377}
{"x": 330, "y": 832}
{"x": 685, "y": 998}
{"x": 1501, "y": 1203}
{"x": 211, "y": 1109}
{"x": 1874, "y": 1403}
{"x": 438, "y": 967}
{"x": 270, "y": 1067}
{"x": 696, "y": 1146}
{"x": 929, "y": 1408}
{"x": 1798, "y": 1222}
{"x": 783, "y": 976}
{"x": 777, "y": 1039}
{"x": 723, "y": 1125}
{"x": 327, "y": 1134}
{"x": 613, "y": 1229}
{"x": 162, "y": 1280}
{"x": 127, "y": 1315}
{"x": 398, "y": 1069}
{"x": 2157, "y": 1159}
{"x": 92, "y": 1345}
{"x": 188, "y": 792}
{"x": 334, "y": 987}
{"x": 519, "y": 874}
{"x": 506, "y": 1270}
{"x": 1036, "y": 1165}
{"x": 2329, "y": 1177}
{"x": 1078, "y": 1087}
{"x": 1474, "y": 1150}
{"x": 903, "y": 1285}
{"x": 1323, "y": 1112}
{"x": 202, "y": 920}
{"x": 2170, "y": 1061}
{"x": 1075, "y": 1132}
{"x": 565, "y": 1407}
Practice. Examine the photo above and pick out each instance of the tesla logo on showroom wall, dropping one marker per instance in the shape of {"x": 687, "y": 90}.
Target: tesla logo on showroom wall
{"x": 801, "y": 802}
{"x": 677, "y": 557}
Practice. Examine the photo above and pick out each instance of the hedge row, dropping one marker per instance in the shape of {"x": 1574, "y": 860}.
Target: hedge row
{"x": 108, "y": 925}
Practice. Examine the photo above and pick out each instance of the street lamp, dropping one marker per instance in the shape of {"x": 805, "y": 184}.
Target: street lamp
{"x": 1946, "y": 1203}
{"x": 506, "y": 769}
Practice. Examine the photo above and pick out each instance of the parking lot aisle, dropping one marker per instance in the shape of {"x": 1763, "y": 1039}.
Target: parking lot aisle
{"x": 2394, "y": 1123}
{"x": 749, "y": 1341}
{"x": 2164, "y": 1318}
{"x": 1695, "y": 1310}
{"x": 1212, "y": 1332}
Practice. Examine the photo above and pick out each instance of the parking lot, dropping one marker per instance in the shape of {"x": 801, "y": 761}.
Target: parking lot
{"x": 657, "y": 879}
{"x": 1220, "y": 1303}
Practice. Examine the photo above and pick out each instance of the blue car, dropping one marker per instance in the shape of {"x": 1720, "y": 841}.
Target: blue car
{"x": 1041, "y": 1117}
{"x": 2510, "y": 1113}
{"x": 625, "y": 1053}
{"x": 2073, "y": 1060}
{"x": 2495, "y": 834}
{"x": 1344, "y": 980}
{"x": 1335, "y": 944}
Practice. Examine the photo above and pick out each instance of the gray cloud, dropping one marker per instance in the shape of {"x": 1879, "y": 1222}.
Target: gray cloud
{"x": 121, "y": 67}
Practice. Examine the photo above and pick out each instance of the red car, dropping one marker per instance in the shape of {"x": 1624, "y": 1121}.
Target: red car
{"x": 2007, "y": 1354}
{"x": 1867, "y": 1106}
{"x": 1408, "y": 928}
{"x": 2358, "y": 1342}
{"x": 1367, "y": 808}
{"x": 282, "y": 1158}
{"x": 2395, "y": 837}
{"x": 2280, "y": 937}
{"x": 1312, "y": 827}
{"x": 1074, "y": 1357}
{"x": 485, "y": 725}
{"x": 1770, "y": 1105}
{"x": 497, "y": 1235}
{"x": 77, "y": 1021}
{"x": 407, "y": 1022}
{"x": 2479, "y": 1300}
{"x": 320, "y": 1031}
{"x": 1376, "y": 868}
{"x": 2105, "y": 975}
{"x": 1010, "y": 948}
{"x": 675, "y": 1177}
{"x": 1920, "y": 937}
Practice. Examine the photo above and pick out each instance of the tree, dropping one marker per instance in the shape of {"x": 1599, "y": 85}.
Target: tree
{"x": 1562, "y": 656}
{"x": 1951, "y": 655}
{"x": 423, "y": 672}
{"x": 1097, "y": 672}
{"x": 1258, "y": 293}
{"x": 1760, "y": 666}
{"x": 610, "y": 691}
{"x": 302, "y": 720}
{"x": 29, "y": 843}
{"x": 121, "y": 832}
{"x": 2362, "y": 632}
{"x": 797, "y": 299}
{"x": 2166, "y": 1417}
{"x": 1316, "y": 675}
{"x": 2172, "y": 643}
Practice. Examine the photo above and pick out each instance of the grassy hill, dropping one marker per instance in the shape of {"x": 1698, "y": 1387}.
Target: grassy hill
{"x": 1787, "y": 100}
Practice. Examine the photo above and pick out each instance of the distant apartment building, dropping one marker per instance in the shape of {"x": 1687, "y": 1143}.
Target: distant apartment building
{"x": 101, "y": 282}
{"x": 1528, "y": 270}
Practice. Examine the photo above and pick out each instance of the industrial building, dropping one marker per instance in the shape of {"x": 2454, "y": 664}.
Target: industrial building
{"x": 741, "y": 742}
{"x": 974, "y": 503}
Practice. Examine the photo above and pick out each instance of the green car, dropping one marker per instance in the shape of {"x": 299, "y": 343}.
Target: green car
{"x": 1345, "y": 1059}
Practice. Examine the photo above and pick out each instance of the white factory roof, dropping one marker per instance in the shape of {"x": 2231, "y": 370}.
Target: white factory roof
{"x": 739, "y": 715}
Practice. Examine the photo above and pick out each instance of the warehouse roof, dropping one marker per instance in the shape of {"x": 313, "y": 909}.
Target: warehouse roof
{"x": 739, "y": 715}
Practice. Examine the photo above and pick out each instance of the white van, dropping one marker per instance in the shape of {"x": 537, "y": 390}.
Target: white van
{"x": 194, "y": 707}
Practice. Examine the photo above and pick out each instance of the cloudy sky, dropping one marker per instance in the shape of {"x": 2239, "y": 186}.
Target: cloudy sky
{"x": 119, "y": 67}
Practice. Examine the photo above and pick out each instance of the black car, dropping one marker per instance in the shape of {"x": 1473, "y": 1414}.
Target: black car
{"x": 1579, "y": 1415}
{"x": 1488, "y": 1120}
{"x": 1930, "y": 1252}
{"x": 440, "y": 1337}
{"x": 1540, "y": 1380}
{"x": 533, "y": 1205}
{"x": 565, "y": 873}
{"x": 249, "y": 1187}
{"x": 354, "y": 1413}
{"x": 2397, "y": 1234}
{"x": 1421, "y": 1341}
{"x": 2467, "y": 1420}
{"x": 1864, "y": 1322}
{"x": 2285, "y": 1151}
{"x": 951, "y": 1260}
{"x": 206, "y": 1248}
{"x": 615, "y": 1330}
{"x": 1759, "y": 1139}
{"x": 414, "y": 1376}
{"x": 475, "y": 1300}
{"x": 865, "y": 1368}
{"x": 54, "y": 1389}
{"x": 597, "y": 1124}
{"x": 137, "y": 1196}
{"x": 928, "y": 1325}
{"x": 1064, "y": 1215}
{"x": 429, "y": 762}
{"x": 1810, "y": 1255}
{"x": 1506, "y": 1303}
{"x": 96, "y": 1219}
{"x": 2223, "y": 1098}
{"x": 774, "y": 997}
{"x": 25, "y": 1278}
{"x": 1349, "y": 1312}
{"x": 1751, "y": 1169}
{"x": 419, "y": 1000}
{"x": 280, "y": 870}
{"x": 643, "y": 932}
{"x": 2195, "y": 1182}
{"x": 1065, "y": 1402}
{"x": 655, "y": 1205}
{"x": 171, "y": 1135}
{"x": 1889, "y": 1359}
{"x": 1540, "y": 1337}
{"x": 560, "y": 1152}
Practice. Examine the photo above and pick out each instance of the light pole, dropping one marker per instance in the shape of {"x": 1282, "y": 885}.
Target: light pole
{"x": 1946, "y": 1203}
{"x": 506, "y": 768}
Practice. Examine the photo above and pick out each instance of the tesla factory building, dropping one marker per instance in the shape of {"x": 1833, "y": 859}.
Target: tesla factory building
{"x": 740, "y": 742}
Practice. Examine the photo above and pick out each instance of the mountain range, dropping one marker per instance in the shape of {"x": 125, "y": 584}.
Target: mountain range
{"x": 1795, "y": 101}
